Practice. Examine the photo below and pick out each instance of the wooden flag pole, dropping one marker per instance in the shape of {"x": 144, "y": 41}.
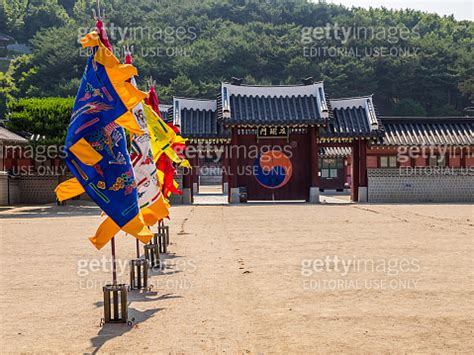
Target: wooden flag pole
{"x": 115, "y": 307}
{"x": 114, "y": 266}
{"x": 138, "y": 249}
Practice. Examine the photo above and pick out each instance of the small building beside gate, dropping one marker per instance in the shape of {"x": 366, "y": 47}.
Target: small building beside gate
{"x": 422, "y": 159}
{"x": 208, "y": 139}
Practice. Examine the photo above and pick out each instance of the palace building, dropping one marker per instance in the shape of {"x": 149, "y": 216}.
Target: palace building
{"x": 292, "y": 142}
{"x": 274, "y": 143}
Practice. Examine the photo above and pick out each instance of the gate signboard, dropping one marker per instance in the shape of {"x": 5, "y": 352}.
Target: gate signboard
{"x": 272, "y": 132}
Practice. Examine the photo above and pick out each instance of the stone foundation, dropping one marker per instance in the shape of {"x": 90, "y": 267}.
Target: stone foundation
{"x": 313, "y": 195}
{"x": 3, "y": 188}
{"x": 234, "y": 195}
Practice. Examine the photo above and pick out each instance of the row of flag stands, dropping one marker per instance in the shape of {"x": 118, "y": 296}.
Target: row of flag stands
{"x": 131, "y": 185}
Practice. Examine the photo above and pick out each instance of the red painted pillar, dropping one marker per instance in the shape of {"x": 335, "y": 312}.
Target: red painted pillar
{"x": 187, "y": 179}
{"x": 314, "y": 165}
{"x": 195, "y": 173}
{"x": 463, "y": 158}
{"x": 187, "y": 182}
{"x": 355, "y": 171}
{"x": 314, "y": 151}
{"x": 224, "y": 165}
{"x": 363, "y": 163}
{"x": 232, "y": 157}
{"x": 3, "y": 157}
{"x": 363, "y": 180}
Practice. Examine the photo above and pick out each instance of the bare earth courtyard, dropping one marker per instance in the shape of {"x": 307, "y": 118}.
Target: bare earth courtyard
{"x": 255, "y": 278}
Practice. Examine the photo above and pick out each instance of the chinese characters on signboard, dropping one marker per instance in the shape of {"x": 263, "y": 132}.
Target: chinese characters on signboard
{"x": 273, "y": 132}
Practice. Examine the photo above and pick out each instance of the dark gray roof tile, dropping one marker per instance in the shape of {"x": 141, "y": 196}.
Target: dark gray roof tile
{"x": 197, "y": 118}
{"x": 430, "y": 131}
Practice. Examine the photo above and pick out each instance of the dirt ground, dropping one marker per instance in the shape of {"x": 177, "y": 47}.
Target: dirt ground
{"x": 255, "y": 278}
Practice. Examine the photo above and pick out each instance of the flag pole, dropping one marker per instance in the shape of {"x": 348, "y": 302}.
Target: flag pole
{"x": 114, "y": 266}
{"x": 138, "y": 248}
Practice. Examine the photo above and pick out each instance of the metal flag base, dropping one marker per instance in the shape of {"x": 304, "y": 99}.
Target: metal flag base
{"x": 139, "y": 274}
{"x": 160, "y": 240}
{"x": 152, "y": 254}
{"x": 165, "y": 230}
{"x": 115, "y": 304}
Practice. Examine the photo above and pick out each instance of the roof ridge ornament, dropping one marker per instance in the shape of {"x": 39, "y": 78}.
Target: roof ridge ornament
{"x": 236, "y": 81}
{"x": 323, "y": 103}
{"x": 308, "y": 81}
{"x": 225, "y": 106}
{"x": 371, "y": 114}
{"x": 177, "y": 117}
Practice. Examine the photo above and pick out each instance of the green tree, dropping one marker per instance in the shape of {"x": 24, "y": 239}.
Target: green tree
{"x": 40, "y": 14}
{"x": 258, "y": 40}
{"x": 183, "y": 86}
{"x": 467, "y": 89}
{"x": 409, "y": 107}
{"x": 48, "y": 117}
{"x": 6, "y": 84}
{"x": 445, "y": 110}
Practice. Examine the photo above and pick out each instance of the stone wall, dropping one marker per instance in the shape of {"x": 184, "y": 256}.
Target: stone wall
{"x": 3, "y": 188}
{"x": 15, "y": 192}
{"x": 38, "y": 189}
{"x": 9, "y": 190}
{"x": 420, "y": 185}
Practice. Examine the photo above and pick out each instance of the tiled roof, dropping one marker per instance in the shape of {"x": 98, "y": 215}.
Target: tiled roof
{"x": 6, "y": 38}
{"x": 354, "y": 117}
{"x": 164, "y": 112}
{"x": 7, "y": 136}
{"x": 416, "y": 131}
{"x": 333, "y": 152}
{"x": 197, "y": 118}
{"x": 297, "y": 104}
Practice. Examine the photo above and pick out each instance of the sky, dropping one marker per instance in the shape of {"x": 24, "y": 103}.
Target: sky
{"x": 461, "y": 9}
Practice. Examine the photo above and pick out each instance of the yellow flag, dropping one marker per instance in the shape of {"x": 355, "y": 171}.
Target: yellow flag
{"x": 162, "y": 137}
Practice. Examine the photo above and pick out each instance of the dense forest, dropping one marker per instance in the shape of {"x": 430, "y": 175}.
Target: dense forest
{"x": 414, "y": 63}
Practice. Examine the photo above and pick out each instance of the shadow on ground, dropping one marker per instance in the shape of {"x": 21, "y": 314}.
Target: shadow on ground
{"x": 110, "y": 331}
{"x": 50, "y": 211}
